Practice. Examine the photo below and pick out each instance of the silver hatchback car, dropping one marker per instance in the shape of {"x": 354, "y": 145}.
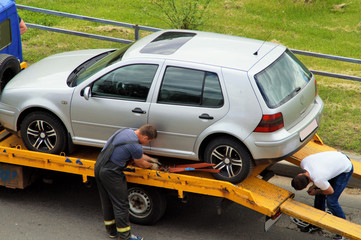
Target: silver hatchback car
{"x": 222, "y": 99}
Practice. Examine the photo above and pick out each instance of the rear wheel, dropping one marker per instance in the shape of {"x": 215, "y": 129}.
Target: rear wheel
{"x": 9, "y": 67}
{"x": 146, "y": 205}
{"x": 43, "y": 132}
{"x": 231, "y": 158}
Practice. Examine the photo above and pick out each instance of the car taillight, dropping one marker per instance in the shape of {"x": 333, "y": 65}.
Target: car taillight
{"x": 270, "y": 123}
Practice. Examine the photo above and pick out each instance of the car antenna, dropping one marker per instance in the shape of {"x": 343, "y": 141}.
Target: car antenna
{"x": 256, "y": 52}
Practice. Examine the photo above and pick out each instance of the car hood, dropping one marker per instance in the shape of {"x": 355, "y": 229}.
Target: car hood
{"x": 52, "y": 71}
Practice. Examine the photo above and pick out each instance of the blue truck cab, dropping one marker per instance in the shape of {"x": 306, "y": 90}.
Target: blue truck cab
{"x": 11, "y": 55}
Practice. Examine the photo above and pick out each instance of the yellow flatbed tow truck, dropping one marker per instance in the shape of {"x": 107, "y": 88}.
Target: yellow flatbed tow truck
{"x": 254, "y": 192}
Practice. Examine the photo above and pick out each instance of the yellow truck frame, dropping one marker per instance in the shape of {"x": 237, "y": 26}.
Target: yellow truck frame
{"x": 254, "y": 192}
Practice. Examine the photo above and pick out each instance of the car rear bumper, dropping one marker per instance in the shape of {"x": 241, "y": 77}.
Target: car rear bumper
{"x": 277, "y": 159}
{"x": 266, "y": 148}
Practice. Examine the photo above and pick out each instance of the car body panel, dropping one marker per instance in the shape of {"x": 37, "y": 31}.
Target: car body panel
{"x": 52, "y": 72}
{"x": 212, "y": 49}
{"x": 55, "y": 100}
{"x": 111, "y": 113}
{"x": 170, "y": 119}
{"x": 91, "y": 119}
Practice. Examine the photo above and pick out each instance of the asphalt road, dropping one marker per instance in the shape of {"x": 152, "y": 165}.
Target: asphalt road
{"x": 68, "y": 209}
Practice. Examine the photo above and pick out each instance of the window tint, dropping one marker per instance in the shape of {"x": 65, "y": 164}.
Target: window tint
{"x": 190, "y": 87}
{"x": 5, "y": 34}
{"x": 129, "y": 82}
{"x": 212, "y": 93}
{"x": 282, "y": 80}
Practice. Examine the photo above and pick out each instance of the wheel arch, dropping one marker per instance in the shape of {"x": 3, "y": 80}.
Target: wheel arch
{"x": 209, "y": 138}
{"x": 69, "y": 141}
{"x": 37, "y": 109}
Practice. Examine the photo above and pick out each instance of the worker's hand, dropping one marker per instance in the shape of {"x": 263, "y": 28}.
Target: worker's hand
{"x": 154, "y": 166}
{"x": 311, "y": 192}
{"x": 155, "y": 160}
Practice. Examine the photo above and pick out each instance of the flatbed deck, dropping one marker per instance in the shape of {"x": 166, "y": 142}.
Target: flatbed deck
{"x": 253, "y": 192}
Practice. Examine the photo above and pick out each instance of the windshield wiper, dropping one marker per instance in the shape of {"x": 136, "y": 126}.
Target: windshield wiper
{"x": 294, "y": 92}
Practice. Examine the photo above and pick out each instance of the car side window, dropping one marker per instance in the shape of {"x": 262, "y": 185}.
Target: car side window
{"x": 128, "y": 82}
{"x": 190, "y": 87}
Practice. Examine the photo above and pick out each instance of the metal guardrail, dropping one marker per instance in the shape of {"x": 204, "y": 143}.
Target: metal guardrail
{"x": 331, "y": 57}
{"x": 137, "y": 29}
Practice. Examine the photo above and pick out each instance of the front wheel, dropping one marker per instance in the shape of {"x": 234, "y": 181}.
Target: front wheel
{"x": 43, "y": 132}
{"x": 231, "y": 158}
{"x": 146, "y": 205}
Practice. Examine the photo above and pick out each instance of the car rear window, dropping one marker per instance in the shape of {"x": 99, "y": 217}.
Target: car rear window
{"x": 282, "y": 80}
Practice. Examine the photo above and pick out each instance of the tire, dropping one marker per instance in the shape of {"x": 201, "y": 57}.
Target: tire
{"x": 9, "y": 67}
{"x": 231, "y": 158}
{"x": 42, "y": 132}
{"x": 146, "y": 205}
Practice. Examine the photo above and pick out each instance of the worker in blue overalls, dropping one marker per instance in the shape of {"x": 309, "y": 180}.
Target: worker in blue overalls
{"x": 123, "y": 147}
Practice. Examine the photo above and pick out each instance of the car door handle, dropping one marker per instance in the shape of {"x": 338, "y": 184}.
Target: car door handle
{"x": 206, "y": 116}
{"x": 138, "y": 110}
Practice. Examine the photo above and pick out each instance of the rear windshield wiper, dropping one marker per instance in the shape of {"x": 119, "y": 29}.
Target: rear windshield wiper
{"x": 295, "y": 91}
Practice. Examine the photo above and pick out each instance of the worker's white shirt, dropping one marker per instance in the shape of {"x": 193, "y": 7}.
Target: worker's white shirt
{"x": 325, "y": 166}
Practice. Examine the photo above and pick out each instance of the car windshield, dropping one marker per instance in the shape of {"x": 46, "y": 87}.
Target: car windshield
{"x": 85, "y": 71}
{"x": 282, "y": 80}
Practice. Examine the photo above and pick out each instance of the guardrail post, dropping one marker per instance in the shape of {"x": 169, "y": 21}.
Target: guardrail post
{"x": 136, "y": 32}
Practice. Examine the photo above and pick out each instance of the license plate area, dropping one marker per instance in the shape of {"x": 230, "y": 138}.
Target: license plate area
{"x": 308, "y": 130}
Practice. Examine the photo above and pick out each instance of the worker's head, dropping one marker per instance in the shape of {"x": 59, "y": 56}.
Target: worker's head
{"x": 300, "y": 181}
{"x": 146, "y": 133}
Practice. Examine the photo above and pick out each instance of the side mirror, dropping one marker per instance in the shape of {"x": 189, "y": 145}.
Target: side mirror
{"x": 87, "y": 93}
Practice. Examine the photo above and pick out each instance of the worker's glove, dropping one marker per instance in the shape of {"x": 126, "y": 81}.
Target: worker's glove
{"x": 154, "y": 160}
{"x": 154, "y": 166}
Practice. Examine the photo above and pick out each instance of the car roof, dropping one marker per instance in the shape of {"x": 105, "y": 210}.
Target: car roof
{"x": 202, "y": 47}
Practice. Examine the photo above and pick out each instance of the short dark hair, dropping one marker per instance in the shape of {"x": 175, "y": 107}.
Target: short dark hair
{"x": 148, "y": 130}
{"x": 300, "y": 181}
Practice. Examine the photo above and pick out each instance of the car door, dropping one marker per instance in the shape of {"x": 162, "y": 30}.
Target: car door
{"x": 189, "y": 100}
{"x": 117, "y": 99}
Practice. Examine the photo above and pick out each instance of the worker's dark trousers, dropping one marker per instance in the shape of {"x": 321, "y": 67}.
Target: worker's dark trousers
{"x": 338, "y": 184}
{"x": 112, "y": 186}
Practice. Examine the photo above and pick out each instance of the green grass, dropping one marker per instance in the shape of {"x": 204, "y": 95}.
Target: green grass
{"x": 324, "y": 26}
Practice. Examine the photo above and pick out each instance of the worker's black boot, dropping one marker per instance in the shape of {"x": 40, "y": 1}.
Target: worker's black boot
{"x": 111, "y": 230}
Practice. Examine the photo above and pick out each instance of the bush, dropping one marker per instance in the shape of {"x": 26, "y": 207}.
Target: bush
{"x": 182, "y": 14}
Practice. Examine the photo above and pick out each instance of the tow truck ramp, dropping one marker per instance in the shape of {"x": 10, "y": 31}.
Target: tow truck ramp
{"x": 321, "y": 219}
{"x": 254, "y": 192}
